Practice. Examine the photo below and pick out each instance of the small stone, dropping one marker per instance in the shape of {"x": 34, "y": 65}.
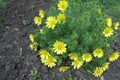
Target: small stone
{"x": 16, "y": 29}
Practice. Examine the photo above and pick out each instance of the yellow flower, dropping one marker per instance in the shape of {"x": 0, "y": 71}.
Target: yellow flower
{"x": 98, "y": 53}
{"x": 98, "y": 72}
{"x": 116, "y": 25}
{"x": 50, "y": 61}
{"x": 98, "y": 11}
{"x": 43, "y": 60}
{"x": 37, "y": 20}
{"x": 77, "y": 63}
{"x": 105, "y": 66}
{"x": 108, "y": 32}
{"x": 59, "y": 47}
{"x": 34, "y": 46}
{"x": 44, "y": 54}
{"x": 62, "y": 5}
{"x": 32, "y": 37}
{"x": 73, "y": 56}
{"x": 41, "y": 13}
{"x": 114, "y": 56}
{"x": 109, "y": 22}
{"x": 51, "y": 22}
{"x": 61, "y": 17}
{"x": 87, "y": 57}
{"x": 63, "y": 68}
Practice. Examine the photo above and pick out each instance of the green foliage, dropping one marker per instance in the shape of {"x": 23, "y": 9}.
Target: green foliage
{"x": 26, "y": 22}
{"x": 71, "y": 78}
{"x": 112, "y": 8}
{"x": 20, "y": 52}
{"x": 34, "y": 73}
{"x": 82, "y": 32}
{"x": 53, "y": 74}
{"x": 2, "y": 5}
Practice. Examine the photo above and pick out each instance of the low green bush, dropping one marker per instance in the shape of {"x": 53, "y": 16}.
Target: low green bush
{"x": 75, "y": 34}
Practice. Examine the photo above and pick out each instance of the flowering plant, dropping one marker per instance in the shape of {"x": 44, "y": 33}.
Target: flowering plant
{"x": 75, "y": 34}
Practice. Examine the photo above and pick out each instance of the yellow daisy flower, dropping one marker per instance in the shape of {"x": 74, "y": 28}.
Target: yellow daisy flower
{"x": 63, "y": 68}
{"x": 116, "y": 25}
{"x": 98, "y": 72}
{"x": 62, "y": 5}
{"x": 73, "y": 56}
{"x": 34, "y": 46}
{"x": 32, "y": 38}
{"x": 41, "y": 13}
{"x": 59, "y": 47}
{"x": 50, "y": 61}
{"x": 105, "y": 66}
{"x": 114, "y": 56}
{"x": 87, "y": 57}
{"x": 43, "y": 60}
{"x": 108, "y": 32}
{"x": 98, "y": 11}
{"x": 51, "y": 22}
{"x": 77, "y": 63}
{"x": 61, "y": 17}
{"x": 98, "y": 53}
{"x": 44, "y": 54}
{"x": 109, "y": 22}
{"x": 37, "y": 20}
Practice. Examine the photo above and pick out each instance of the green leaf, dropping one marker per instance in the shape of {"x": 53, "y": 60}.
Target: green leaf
{"x": 59, "y": 62}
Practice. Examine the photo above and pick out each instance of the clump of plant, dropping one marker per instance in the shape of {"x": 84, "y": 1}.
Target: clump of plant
{"x": 34, "y": 73}
{"x": 75, "y": 34}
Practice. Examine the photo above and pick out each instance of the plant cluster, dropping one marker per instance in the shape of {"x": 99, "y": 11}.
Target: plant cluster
{"x": 34, "y": 73}
{"x": 75, "y": 34}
